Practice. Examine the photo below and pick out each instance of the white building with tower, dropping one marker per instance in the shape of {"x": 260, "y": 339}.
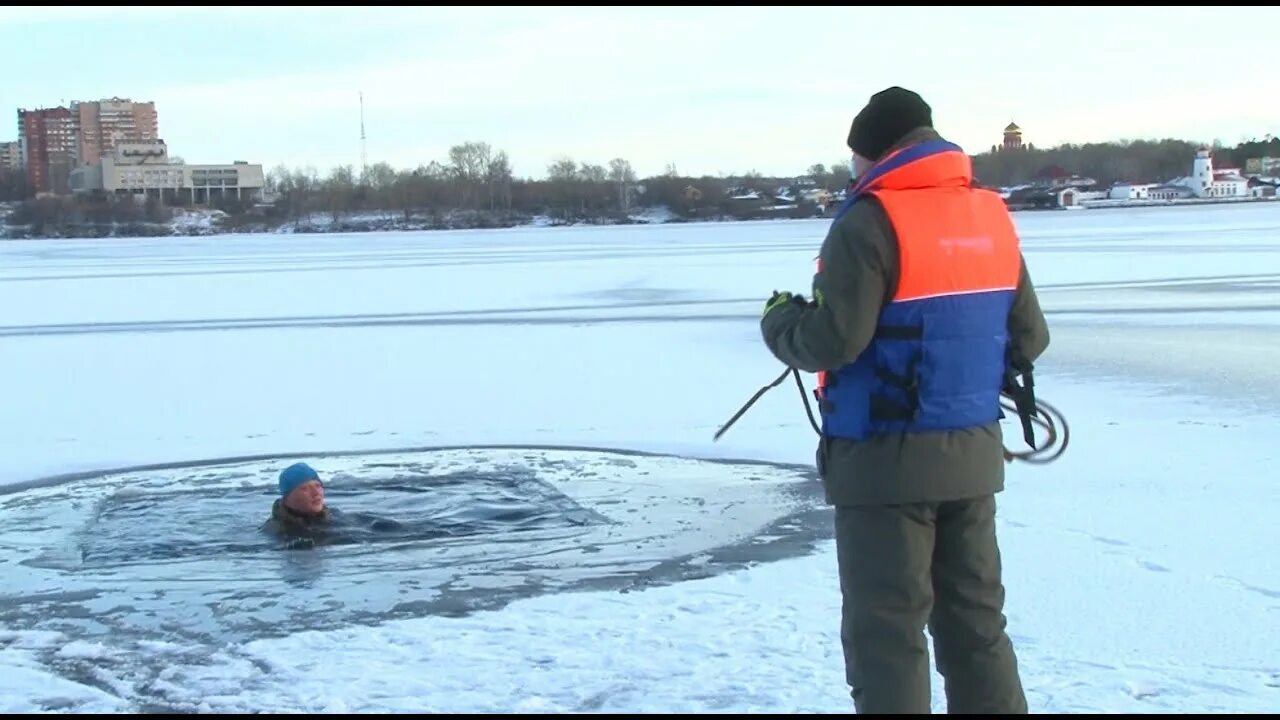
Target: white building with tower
{"x": 1205, "y": 182}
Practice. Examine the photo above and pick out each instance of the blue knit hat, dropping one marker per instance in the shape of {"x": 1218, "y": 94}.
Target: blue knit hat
{"x": 295, "y": 475}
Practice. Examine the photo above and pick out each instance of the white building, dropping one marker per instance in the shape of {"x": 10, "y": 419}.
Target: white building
{"x": 1229, "y": 185}
{"x": 1128, "y": 191}
{"x": 1170, "y": 192}
{"x": 1073, "y": 197}
{"x": 1205, "y": 183}
{"x": 144, "y": 169}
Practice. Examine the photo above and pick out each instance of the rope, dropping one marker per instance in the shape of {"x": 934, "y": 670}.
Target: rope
{"x": 1046, "y": 417}
{"x": 1049, "y": 418}
{"x": 757, "y": 396}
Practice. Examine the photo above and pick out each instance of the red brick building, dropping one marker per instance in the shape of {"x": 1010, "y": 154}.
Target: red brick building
{"x": 48, "y": 146}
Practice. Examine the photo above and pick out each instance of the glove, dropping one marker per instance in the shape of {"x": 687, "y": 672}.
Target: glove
{"x": 779, "y": 299}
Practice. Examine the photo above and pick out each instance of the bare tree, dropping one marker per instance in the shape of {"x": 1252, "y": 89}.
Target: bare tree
{"x": 13, "y": 184}
{"x": 593, "y": 188}
{"x": 340, "y": 190}
{"x": 380, "y": 176}
{"x": 562, "y": 179}
{"x": 470, "y": 165}
{"x": 498, "y": 178}
{"x": 840, "y": 174}
{"x": 562, "y": 169}
{"x": 621, "y": 174}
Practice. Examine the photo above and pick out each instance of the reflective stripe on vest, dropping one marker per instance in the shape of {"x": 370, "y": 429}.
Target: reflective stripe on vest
{"x": 938, "y": 357}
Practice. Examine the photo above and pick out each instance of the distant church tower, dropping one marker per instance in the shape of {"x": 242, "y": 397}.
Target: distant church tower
{"x": 1202, "y": 173}
{"x": 1012, "y": 137}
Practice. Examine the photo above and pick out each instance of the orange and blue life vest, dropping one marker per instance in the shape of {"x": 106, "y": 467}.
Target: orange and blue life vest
{"x": 939, "y": 355}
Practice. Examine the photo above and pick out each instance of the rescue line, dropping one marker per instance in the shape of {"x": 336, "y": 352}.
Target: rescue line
{"x": 1014, "y": 399}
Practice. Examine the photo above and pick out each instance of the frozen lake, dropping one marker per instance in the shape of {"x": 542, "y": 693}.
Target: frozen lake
{"x": 539, "y": 405}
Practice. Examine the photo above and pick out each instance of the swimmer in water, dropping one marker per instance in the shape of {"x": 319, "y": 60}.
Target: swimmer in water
{"x": 301, "y": 514}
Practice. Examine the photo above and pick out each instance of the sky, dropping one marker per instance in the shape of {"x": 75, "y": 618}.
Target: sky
{"x": 709, "y": 90}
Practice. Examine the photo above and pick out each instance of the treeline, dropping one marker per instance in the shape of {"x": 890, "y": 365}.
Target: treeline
{"x": 474, "y": 186}
{"x": 476, "y": 180}
{"x": 69, "y": 216}
{"x": 13, "y": 185}
{"x": 1138, "y": 161}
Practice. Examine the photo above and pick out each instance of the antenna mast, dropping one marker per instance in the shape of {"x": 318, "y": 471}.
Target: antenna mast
{"x": 364, "y": 155}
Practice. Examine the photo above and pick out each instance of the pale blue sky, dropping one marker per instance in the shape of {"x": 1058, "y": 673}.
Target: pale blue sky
{"x": 713, "y": 90}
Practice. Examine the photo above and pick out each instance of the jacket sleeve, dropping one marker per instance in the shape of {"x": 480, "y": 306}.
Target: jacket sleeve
{"x": 1028, "y": 329}
{"x": 848, "y": 293}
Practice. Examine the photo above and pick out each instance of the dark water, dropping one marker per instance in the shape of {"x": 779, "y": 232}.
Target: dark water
{"x": 135, "y": 529}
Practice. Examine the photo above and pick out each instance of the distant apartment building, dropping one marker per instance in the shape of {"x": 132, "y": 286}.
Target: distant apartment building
{"x": 100, "y": 125}
{"x": 47, "y": 147}
{"x": 53, "y": 141}
{"x": 144, "y": 169}
{"x": 10, "y": 156}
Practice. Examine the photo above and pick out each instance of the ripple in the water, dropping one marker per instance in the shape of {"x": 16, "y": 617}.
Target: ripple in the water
{"x": 140, "y": 527}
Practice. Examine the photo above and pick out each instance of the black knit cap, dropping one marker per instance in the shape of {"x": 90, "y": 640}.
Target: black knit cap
{"x": 887, "y": 118}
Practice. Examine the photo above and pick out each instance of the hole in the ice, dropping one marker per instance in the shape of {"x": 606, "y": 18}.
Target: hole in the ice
{"x": 132, "y": 527}
{"x": 177, "y": 554}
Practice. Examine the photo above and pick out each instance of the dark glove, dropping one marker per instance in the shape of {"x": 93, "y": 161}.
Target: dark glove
{"x": 782, "y": 298}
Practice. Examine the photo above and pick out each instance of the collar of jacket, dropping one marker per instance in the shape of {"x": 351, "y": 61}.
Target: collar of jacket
{"x": 921, "y": 159}
{"x": 289, "y": 515}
